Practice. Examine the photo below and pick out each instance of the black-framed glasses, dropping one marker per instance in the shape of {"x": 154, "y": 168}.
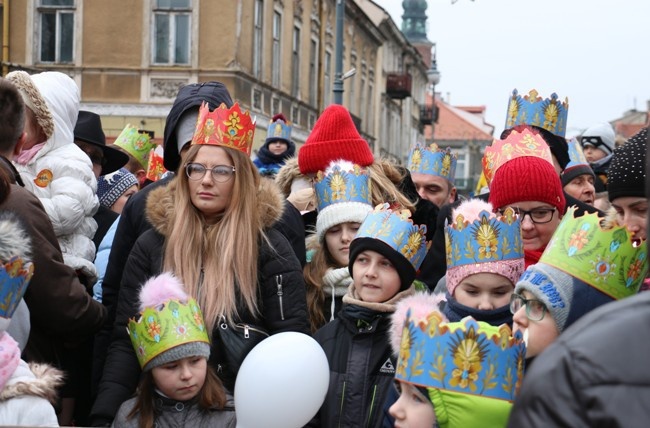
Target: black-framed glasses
{"x": 535, "y": 309}
{"x": 537, "y": 215}
{"x": 220, "y": 173}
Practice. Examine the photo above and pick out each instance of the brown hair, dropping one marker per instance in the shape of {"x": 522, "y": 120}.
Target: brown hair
{"x": 12, "y": 116}
{"x": 211, "y": 397}
{"x": 385, "y": 177}
{"x": 218, "y": 263}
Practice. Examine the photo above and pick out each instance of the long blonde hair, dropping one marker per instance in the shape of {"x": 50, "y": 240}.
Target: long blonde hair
{"x": 314, "y": 271}
{"x": 385, "y": 177}
{"x": 226, "y": 252}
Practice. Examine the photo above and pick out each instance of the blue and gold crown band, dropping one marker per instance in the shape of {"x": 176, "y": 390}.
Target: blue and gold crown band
{"x": 466, "y": 357}
{"x": 606, "y": 259}
{"x": 397, "y": 231}
{"x": 342, "y": 182}
{"x": 15, "y": 275}
{"x": 433, "y": 161}
{"x": 279, "y": 130}
{"x": 531, "y": 109}
{"x": 492, "y": 237}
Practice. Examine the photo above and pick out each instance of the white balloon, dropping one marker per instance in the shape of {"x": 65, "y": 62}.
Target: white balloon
{"x": 282, "y": 382}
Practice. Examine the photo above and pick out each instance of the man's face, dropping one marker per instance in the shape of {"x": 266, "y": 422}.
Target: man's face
{"x": 433, "y": 188}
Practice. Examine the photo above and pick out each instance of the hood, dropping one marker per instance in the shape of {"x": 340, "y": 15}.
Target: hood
{"x": 14, "y": 239}
{"x": 38, "y": 380}
{"x": 287, "y": 174}
{"x": 160, "y": 205}
{"x": 62, "y": 97}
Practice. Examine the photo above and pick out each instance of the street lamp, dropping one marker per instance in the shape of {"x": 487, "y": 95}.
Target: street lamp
{"x": 433, "y": 76}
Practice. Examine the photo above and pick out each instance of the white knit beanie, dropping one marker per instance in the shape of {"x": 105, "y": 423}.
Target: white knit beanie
{"x": 601, "y": 136}
{"x": 342, "y": 194}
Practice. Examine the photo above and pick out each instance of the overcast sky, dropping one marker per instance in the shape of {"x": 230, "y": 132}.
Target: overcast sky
{"x": 595, "y": 52}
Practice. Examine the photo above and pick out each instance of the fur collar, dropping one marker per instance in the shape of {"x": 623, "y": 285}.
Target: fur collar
{"x": 43, "y": 382}
{"x": 160, "y": 205}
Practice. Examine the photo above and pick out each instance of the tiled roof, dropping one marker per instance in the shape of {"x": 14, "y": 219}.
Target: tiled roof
{"x": 461, "y": 123}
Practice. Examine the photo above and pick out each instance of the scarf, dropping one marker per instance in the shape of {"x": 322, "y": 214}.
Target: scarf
{"x": 9, "y": 358}
{"x": 336, "y": 282}
{"x": 26, "y": 155}
{"x": 532, "y": 256}
{"x": 455, "y": 312}
{"x": 352, "y": 298}
{"x": 601, "y": 163}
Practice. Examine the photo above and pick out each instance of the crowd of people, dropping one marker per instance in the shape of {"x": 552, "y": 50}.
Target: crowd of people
{"x": 132, "y": 296}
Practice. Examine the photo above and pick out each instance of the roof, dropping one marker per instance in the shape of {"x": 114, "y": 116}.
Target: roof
{"x": 461, "y": 123}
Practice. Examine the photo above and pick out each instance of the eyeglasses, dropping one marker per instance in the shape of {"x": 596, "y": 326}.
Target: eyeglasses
{"x": 535, "y": 309}
{"x": 537, "y": 215}
{"x": 220, "y": 173}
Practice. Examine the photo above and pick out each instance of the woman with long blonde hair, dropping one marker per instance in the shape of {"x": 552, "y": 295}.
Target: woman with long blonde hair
{"x": 212, "y": 228}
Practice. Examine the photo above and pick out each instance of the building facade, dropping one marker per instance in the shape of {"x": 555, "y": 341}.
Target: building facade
{"x": 130, "y": 57}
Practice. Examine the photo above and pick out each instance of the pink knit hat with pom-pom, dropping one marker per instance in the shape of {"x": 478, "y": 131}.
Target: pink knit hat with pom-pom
{"x": 421, "y": 305}
{"x": 481, "y": 241}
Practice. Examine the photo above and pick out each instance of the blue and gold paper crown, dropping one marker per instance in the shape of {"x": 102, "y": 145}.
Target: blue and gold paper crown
{"x": 489, "y": 238}
{"x": 227, "y": 127}
{"x": 396, "y": 229}
{"x": 466, "y": 357}
{"x": 576, "y": 155}
{"x": 342, "y": 182}
{"x": 159, "y": 329}
{"x": 531, "y": 109}
{"x": 606, "y": 259}
{"x": 15, "y": 275}
{"x": 278, "y": 130}
{"x": 433, "y": 161}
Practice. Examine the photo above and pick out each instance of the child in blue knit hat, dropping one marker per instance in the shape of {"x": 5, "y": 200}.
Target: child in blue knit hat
{"x": 114, "y": 189}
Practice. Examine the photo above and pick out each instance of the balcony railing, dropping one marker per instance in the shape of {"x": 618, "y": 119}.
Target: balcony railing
{"x": 427, "y": 115}
{"x": 398, "y": 85}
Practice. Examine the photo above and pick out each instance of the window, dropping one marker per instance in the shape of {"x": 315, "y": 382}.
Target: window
{"x": 462, "y": 169}
{"x": 171, "y": 29}
{"x": 327, "y": 80}
{"x": 295, "y": 63}
{"x": 57, "y": 30}
{"x": 313, "y": 75}
{"x": 257, "y": 99}
{"x": 277, "y": 45}
{"x": 258, "y": 33}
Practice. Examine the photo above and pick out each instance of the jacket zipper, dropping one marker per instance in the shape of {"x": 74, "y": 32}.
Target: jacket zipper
{"x": 342, "y": 401}
{"x": 278, "y": 283}
{"x": 372, "y": 405}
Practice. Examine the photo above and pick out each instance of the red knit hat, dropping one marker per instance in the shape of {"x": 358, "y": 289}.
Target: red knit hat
{"x": 334, "y": 137}
{"x": 527, "y": 178}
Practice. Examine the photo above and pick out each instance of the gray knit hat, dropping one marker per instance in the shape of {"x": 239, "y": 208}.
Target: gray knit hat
{"x": 194, "y": 349}
{"x": 600, "y": 136}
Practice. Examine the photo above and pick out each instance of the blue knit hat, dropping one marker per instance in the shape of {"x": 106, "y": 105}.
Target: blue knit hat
{"x": 111, "y": 186}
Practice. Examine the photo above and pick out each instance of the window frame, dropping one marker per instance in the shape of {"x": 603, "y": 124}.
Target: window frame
{"x": 173, "y": 13}
{"x": 58, "y": 10}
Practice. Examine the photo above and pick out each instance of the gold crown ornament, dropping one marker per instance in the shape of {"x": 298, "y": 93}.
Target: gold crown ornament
{"x": 227, "y": 127}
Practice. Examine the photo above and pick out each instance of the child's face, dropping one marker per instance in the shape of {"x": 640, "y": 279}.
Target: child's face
{"x": 375, "y": 278}
{"x": 33, "y": 133}
{"x": 593, "y": 154}
{"x": 538, "y": 335}
{"x": 181, "y": 380}
{"x": 485, "y": 291}
{"x": 338, "y": 238}
{"x": 412, "y": 409}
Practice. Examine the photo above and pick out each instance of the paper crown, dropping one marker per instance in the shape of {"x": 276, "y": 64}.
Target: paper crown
{"x": 166, "y": 326}
{"x": 396, "y": 229}
{"x": 489, "y": 238}
{"x": 520, "y": 142}
{"x": 342, "y": 182}
{"x": 228, "y": 127}
{"x": 606, "y": 259}
{"x": 278, "y": 130}
{"x": 15, "y": 275}
{"x": 155, "y": 167}
{"x": 466, "y": 357}
{"x": 433, "y": 161}
{"x": 136, "y": 143}
{"x": 576, "y": 155}
{"x": 531, "y": 109}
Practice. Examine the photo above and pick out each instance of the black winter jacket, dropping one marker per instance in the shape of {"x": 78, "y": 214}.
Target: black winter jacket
{"x": 362, "y": 368}
{"x": 280, "y": 313}
{"x": 594, "y": 375}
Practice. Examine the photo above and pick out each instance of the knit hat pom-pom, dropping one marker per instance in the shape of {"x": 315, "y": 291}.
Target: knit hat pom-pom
{"x": 471, "y": 208}
{"x": 421, "y": 306}
{"x": 160, "y": 289}
{"x": 279, "y": 116}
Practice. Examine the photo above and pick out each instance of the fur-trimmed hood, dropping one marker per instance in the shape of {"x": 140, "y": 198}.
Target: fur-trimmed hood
{"x": 287, "y": 174}
{"x": 14, "y": 240}
{"x": 160, "y": 205}
{"x": 37, "y": 380}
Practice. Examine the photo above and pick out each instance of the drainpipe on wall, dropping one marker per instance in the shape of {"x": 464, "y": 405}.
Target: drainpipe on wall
{"x": 5, "y": 37}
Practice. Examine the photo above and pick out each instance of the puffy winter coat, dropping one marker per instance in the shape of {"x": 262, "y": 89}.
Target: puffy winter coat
{"x": 26, "y": 398}
{"x": 61, "y": 176}
{"x": 178, "y": 414}
{"x": 362, "y": 368}
{"x": 594, "y": 375}
{"x": 285, "y": 311}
